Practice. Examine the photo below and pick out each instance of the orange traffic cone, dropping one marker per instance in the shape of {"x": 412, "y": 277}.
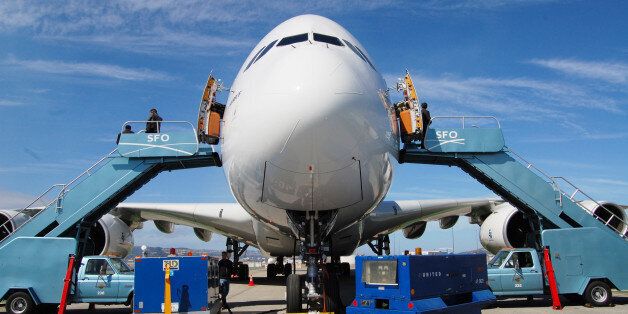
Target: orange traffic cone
{"x": 251, "y": 283}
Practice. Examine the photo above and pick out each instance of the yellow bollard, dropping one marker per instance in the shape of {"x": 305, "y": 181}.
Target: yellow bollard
{"x": 417, "y": 251}
{"x": 167, "y": 298}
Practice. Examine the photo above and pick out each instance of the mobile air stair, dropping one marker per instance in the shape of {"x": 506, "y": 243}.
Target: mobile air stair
{"x": 586, "y": 238}
{"x": 37, "y": 241}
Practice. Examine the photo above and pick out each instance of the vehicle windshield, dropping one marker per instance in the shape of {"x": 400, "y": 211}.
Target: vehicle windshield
{"x": 120, "y": 266}
{"x": 498, "y": 259}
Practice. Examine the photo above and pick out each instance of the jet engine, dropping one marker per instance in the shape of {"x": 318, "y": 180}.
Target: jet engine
{"x": 414, "y": 231}
{"x": 505, "y": 227}
{"x": 9, "y": 221}
{"x": 604, "y": 210}
{"x": 110, "y": 236}
{"x": 203, "y": 234}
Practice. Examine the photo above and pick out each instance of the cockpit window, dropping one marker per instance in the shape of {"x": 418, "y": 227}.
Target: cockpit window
{"x": 253, "y": 59}
{"x": 292, "y": 40}
{"x": 352, "y": 47}
{"x": 365, "y": 57}
{"x": 327, "y": 39}
{"x": 266, "y": 50}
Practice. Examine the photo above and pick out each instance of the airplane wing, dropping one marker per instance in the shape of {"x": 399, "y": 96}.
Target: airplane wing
{"x": 228, "y": 219}
{"x": 391, "y": 216}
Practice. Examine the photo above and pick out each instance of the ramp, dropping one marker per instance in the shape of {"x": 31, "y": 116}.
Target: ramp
{"x": 482, "y": 153}
{"x": 137, "y": 159}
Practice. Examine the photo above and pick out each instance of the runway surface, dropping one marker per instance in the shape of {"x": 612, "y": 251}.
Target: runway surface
{"x": 268, "y": 296}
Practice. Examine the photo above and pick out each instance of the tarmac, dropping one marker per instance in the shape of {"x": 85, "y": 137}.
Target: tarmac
{"x": 268, "y": 296}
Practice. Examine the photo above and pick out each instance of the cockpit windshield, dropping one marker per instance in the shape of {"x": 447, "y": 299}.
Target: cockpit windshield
{"x": 292, "y": 40}
{"x": 327, "y": 39}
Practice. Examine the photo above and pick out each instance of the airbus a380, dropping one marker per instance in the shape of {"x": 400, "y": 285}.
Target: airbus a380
{"x": 309, "y": 140}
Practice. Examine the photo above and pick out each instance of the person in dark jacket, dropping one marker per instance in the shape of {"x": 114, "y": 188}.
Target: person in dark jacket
{"x": 127, "y": 129}
{"x": 154, "y": 122}
{"x": 426, "y": 119}
{"x": 225, "y": 269}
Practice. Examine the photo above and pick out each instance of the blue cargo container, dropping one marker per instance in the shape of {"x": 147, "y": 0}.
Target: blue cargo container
{"x": 421, "y": 284}
{"x": 193, "y": 284}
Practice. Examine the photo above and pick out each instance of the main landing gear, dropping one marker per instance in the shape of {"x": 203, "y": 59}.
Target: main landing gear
{"x": 319, "y": 288}
{"x": 278, "y": 268}
{"x": 240, "y": 270}
{"x": 381, "y": 245}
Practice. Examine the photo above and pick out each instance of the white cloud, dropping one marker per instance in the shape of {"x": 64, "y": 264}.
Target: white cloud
{"x": 90, "y": 69}
{"x": 14, "y": 200}
{"x": 515, "y": 98}
{"x": 10, "y": 103}
{"x": 614, "y": 72}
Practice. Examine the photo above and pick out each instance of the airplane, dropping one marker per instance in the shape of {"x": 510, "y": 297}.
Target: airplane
{"x": 308, "y": 146}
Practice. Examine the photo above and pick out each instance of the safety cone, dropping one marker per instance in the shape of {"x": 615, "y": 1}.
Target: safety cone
{"x": 251, "y": 283}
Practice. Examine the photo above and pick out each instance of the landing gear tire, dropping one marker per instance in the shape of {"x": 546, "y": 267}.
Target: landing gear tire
{"x": 20, "y": 303}
{"x": 294, "y": 294}
{"x": 598, "y": 293}
{"x": 271, "y": 272}
{"x": 243, "y": 272}
{"x": 333, "y": 303}
{"x": 287, "y": 269}
{"x": 345, "y": 270}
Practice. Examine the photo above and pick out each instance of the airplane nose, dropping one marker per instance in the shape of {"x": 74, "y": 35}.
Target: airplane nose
{"x": 322, "y": 105}
{"x": 327, "y": 111}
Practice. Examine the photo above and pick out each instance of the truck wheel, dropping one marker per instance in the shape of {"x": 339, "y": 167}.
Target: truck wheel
{"x": 293, "y": 293}
{"x": 20, "y": 303}
{"x": 598, "y": 293}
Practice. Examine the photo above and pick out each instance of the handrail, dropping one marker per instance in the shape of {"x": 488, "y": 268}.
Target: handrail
{"x": 21, "y": 211}
{"x": 530, "y": 165}
{"x": 62, "y": 192}
{"x": 161, "y": 122}
{"x": 577, "y": 190}
{"x": 463, "y": 118}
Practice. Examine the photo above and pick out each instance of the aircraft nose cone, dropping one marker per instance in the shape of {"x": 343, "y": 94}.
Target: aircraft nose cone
{"x": 323, "y": 103}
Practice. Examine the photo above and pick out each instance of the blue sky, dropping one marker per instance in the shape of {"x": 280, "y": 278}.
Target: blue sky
{"x": 554, "y": 72}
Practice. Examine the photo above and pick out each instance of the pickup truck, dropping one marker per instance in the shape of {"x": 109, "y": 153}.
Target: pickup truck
{"x": 100, "y": 280}
{"x": 521, "y": 272}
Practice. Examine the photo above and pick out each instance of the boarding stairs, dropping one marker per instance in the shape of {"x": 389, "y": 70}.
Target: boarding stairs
{"x": 137, "y": 159}
{"x": 482, "y": 153}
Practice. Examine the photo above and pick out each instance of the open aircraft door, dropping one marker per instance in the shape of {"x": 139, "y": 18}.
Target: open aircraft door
{"x": 210, "y": 113}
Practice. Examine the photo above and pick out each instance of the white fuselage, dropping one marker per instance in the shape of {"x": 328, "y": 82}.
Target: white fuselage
{"x": 308, "y": 127}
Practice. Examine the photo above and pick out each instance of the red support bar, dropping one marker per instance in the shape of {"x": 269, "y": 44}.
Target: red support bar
{"x": 549, "y": 272}
{"x": 66, "y": 285}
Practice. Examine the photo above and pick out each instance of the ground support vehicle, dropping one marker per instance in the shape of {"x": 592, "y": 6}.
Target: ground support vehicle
{"x": 586, "y": 240}
{"x": 192, "y": 282}
{"x": 452, "y": 283}
{"x": 37, "y": 244}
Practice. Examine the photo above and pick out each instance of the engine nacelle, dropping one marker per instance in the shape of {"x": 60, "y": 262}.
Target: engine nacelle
{"x": 448, "y": 222}
{"x": 9, "y": 221}
{"x": 604, "y": 210}
{"x": 203, "y": 234}
{"x": 506, "y": 227}
{"x": 164, "y": 226}
{"x": 111, "y": 236}
{"x": 415, "y": 230}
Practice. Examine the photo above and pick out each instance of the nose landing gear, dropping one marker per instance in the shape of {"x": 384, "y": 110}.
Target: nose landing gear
{"x": 319, "y": 288}
{"x": 241, "y": 270}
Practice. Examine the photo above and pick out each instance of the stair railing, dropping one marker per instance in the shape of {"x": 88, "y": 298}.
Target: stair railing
{"x": 577, "y": 191}
{"x": 64, "y": 189}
